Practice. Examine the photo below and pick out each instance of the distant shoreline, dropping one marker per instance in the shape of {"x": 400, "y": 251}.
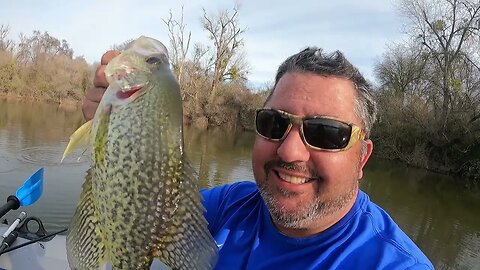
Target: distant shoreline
{"x": 67, "y": 103}
{"x": 471, "y": 176}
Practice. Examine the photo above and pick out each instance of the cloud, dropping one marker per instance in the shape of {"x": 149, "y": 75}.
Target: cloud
{"x": 275, "y": 29}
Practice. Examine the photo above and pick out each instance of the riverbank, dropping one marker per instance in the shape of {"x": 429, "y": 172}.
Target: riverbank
{"x": 470, "y": 173}
{"x": 67, "y": 104}
{"x": 468, "y": 178}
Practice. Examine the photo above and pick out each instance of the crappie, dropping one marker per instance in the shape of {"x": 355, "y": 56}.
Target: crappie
{"x": 139, "y": 199}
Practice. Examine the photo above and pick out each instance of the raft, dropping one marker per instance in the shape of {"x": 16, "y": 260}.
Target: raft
{"x": 48, "y": 255}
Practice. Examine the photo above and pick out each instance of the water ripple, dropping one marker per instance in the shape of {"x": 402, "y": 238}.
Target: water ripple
{"x": 48, "y": 155}
{"x": 9, "y": 170}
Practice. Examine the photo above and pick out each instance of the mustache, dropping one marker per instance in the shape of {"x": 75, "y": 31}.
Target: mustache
{"x": 290, "y": 166}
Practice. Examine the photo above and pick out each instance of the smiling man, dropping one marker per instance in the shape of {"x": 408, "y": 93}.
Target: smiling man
{"x": 305, "y": 210}
{"x": 307, "y": 182}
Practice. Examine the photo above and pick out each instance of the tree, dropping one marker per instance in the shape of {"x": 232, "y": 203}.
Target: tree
{"x": 227, "y": 61}
{"x": 179, "y": 43}
{"x": 8, "y": 69}
{"x": 429, "y": 97}
{"x": 122, "y": 46}
{"x": 449, "y": 30}
{"x": 5, "y": 43}
{"x": 401, "y": 69}
{"x": 39, "y": 46}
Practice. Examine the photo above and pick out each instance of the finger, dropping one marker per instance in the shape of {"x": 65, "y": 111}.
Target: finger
{"x": 109, "y": 55}
{"x": 91, "y": 101}
{"x": 89, "y": 108}
{"x": 100, "y": 80}
{"x": 95, "y": 94}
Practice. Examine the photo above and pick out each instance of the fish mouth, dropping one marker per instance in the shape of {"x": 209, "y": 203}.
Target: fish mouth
{"x": 130, "y": 93}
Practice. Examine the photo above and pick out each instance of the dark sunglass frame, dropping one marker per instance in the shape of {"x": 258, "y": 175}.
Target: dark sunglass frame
{"x": 356, "y": 134}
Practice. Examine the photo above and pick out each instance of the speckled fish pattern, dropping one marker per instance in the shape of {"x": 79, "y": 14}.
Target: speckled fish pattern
{"x": 140, "y": 200}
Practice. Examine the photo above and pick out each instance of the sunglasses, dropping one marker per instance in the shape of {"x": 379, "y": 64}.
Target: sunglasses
{"x": 319, "y": 133}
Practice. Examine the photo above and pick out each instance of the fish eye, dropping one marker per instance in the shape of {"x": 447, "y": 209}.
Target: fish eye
{"x": 153, "y": 60}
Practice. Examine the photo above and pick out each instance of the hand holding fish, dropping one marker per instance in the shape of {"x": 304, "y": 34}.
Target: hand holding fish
{"x": 100, "y": 84}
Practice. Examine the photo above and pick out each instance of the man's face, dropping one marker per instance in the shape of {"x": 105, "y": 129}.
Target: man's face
{"x": 304, "y": 187}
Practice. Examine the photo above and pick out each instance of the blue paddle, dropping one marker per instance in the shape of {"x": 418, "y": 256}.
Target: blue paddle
{"x": 26, "y": 194}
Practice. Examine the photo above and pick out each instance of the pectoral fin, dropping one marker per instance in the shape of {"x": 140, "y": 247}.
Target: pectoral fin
{"x": 79, "y": 139}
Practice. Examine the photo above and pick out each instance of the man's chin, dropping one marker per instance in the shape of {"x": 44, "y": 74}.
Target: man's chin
{"x": 291, "y": 205}
{"x": 289, "y": 212}
{"x": 292, "y": 218}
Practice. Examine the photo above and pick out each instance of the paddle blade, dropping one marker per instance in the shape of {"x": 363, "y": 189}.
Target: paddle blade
{"x": 32, "y": 189}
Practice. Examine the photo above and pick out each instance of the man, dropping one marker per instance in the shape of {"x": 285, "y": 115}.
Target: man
{"x": 306, "y": 210}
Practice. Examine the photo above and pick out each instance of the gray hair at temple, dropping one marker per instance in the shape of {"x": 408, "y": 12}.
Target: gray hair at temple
{"x": 314, "y": 60}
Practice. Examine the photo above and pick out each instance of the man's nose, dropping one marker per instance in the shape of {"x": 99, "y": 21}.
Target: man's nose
{"x": 292, "y": 148}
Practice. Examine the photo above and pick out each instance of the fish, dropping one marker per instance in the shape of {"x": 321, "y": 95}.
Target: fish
{"x": 140, "y": 198}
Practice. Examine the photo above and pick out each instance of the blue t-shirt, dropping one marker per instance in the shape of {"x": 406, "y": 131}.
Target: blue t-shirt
{"x": 366, "y": 238}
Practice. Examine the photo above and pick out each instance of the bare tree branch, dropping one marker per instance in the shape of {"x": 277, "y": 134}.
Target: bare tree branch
{"x": 179, "y": 42}
{"x": 226, "y": 34}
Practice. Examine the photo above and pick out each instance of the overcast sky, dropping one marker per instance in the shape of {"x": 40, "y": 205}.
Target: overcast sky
{"x": 362, "y": 29}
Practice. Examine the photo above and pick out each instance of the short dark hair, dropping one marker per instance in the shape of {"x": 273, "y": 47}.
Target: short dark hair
{"x": 314, "y": 60}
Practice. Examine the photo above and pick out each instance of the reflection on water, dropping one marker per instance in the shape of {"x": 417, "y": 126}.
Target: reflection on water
{"x": 33, "y": 136}
{"x": 441, "y": 218}
{"x": 219, "y": 156}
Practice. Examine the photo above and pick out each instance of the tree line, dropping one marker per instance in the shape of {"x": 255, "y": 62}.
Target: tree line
{"x": 429, "y": 93}
{"x": 428, "y": 87}
{"x": 41, "y": 67}
{"x": 213, "y": 77}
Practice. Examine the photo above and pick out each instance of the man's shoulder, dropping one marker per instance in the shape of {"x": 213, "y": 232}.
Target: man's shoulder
{"x": 386, "y": 236}
{"x": 382, "y": 224}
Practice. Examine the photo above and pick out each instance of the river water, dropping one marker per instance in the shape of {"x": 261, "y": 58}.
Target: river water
{"x": 435, "y": 210}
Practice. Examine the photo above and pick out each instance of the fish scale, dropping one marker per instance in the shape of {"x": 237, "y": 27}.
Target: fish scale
{"x": 135, "y": 207}
{"x": 140, "y": 199}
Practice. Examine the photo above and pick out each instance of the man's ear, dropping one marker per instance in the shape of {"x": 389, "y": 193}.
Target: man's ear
{"x": 366, "y": 153}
